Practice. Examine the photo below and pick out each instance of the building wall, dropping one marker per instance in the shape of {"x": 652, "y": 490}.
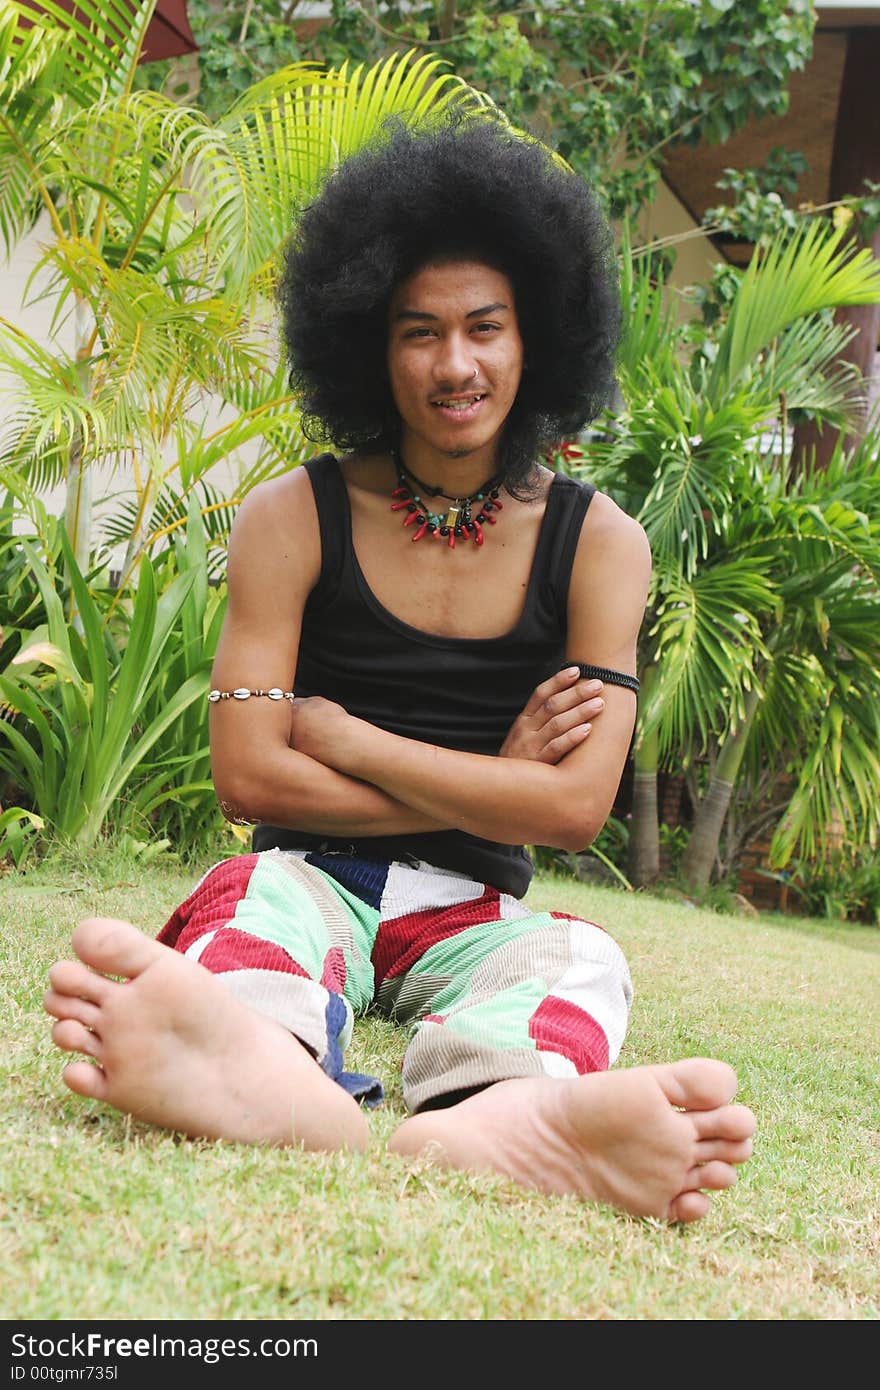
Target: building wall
{"x": 695, "y": 256}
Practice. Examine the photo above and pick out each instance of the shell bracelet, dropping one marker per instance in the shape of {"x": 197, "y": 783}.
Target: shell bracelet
{"x": 242, "y": 693}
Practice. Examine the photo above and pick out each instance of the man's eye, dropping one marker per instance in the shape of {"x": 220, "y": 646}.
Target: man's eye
{"x": 418, "y": 333}
{"x": 488, "y": 327}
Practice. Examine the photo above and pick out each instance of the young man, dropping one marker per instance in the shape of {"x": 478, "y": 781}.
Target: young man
{"x": 428, "y": 662}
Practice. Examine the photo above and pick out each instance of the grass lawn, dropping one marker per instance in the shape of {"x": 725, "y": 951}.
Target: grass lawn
{"x": 103, "y": 1218}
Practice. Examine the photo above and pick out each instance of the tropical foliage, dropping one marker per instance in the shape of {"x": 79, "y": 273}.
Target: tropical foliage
{"x": 763, "y": 641}
{"x": 85, "y": 715}
{"x": 843, "y": 885}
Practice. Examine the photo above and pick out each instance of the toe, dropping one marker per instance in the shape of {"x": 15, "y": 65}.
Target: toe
{"x": 71, "y": 1036}
{"x": 734, "y": 1122}
{"x": 688, "y": 1206}
{"x": 86, "y": 1080}
{"x": 727, "y": 1150}
{"x": 62, "y": 1006}
{"x": 114, "y": 947}
{"x": 71, "y": 977}
{"x": 714, "y": 1176}
{"x": 697, "y": 1083}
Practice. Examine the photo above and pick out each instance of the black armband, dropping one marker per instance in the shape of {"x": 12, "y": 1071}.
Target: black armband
{"x": 605, "y": 673}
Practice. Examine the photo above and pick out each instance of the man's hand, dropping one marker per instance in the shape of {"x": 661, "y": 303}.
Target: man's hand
{"x": 322, "y": 730}
{"x": 556, "y": 719}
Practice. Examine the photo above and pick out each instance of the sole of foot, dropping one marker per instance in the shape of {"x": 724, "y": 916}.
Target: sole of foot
{"x": 650, "y": 1141}
{"x": 170, "y": 1045}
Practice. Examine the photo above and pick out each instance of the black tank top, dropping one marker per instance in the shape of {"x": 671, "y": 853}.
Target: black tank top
{"x": 461, "y": 693}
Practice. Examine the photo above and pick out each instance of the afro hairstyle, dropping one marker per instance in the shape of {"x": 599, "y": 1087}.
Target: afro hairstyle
{"x": 468, "y": 189}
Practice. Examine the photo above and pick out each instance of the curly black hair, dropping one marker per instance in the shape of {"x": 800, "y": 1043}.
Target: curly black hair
{"x": 467, "y": 189}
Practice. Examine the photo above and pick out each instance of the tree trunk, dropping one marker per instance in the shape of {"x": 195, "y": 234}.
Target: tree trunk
{"x": 643, "y": 850}
{"x": 147, "y": 500}
{"x": 701, "y": 851}
{"x": 855, "y": 157}
{"x": 78, "y": 493}
{"x": 446, "y": 18}
{"x": 698, "y": 860}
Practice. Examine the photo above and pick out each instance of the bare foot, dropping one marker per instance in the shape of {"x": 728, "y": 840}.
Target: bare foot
{"x": 173, "y": 1047}
{"x": 646, "y": 1140}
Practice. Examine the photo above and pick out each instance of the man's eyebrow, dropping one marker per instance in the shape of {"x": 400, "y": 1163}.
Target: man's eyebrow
{"x": 472, "y": 314}
{"x": 486, "y": 309}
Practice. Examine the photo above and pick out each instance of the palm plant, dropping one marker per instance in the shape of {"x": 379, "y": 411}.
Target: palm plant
{"x": 819, "y": 684}
{"x": 809, "y": 711}
{"x": 164, "y": 234}
{"x": 87, "y": 711}
{"x": 691, "y": 458}
{"x": 172, "y": 794}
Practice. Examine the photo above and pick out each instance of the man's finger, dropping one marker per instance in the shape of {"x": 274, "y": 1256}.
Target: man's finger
{"x": 556, "y": 750}
{"x": 564, "y": 715}
{"x": 564, "y": 688}
{"x": 558, "y": 682}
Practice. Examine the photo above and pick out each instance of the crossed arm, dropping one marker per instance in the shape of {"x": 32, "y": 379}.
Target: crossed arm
{"x": 315, "y": 767}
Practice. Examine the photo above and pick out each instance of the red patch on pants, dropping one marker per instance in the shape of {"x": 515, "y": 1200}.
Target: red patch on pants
{"x": 573, "y": 917}
{"x": 333, "y": 974}
{"x": 231, "y": 949}
{"x": 211, "y": 904}
{"x": 401, "y": 941}
{"x": 558, "y": 1026}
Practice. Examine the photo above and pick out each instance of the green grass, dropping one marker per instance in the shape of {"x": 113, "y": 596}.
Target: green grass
{"x": 101, "y": 1217}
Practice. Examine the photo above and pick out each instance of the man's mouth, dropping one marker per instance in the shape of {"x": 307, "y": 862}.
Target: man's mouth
{"x": 458, "y": 403}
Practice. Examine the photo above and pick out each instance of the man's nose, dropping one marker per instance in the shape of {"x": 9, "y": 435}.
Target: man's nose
{"x": 455, "y": 364}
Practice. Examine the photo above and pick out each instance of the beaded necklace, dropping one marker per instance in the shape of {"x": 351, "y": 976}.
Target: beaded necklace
{"x": 463, "y": 519}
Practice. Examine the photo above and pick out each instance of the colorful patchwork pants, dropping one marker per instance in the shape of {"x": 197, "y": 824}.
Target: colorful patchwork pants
{"x": 489, "y": 989}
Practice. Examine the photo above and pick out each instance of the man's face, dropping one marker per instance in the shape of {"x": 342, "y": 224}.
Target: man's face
{"x": 455, "y": 359}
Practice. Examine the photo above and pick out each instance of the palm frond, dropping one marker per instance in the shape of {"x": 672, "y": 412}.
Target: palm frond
{"x": 49, "y": 396}
{"x": 123, "y": 153}
{"x": 101, "y": 42}
{"x": 272, "y": 151}
{"x": 273, "y": 425}
{"x": 652, "y": 334}
{"x": 804, "y": 365}
{"x": 150, "y": 334}
{"x": 41, "y": 468}
{"x": 706, "y": 641}
{"x": 19, "y": 205}
{"x": 848, "y": 534}
{"x": 27, "y": 51}
{"x": 851, "y": 475}
{"x": 793, "y": 689}
{"x": 838, "y": 790}
{"x": 30, "y": 58}
{"x": 696, "y": 459}
{"x": 800, "y": 275}
{"x": 170, "y": 514}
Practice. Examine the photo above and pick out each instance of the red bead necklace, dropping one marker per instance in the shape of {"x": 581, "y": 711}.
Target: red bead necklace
{"x": 463, "y": 519}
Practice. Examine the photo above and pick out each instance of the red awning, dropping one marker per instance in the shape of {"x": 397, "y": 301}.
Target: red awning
{"x": 169, "y": 34}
